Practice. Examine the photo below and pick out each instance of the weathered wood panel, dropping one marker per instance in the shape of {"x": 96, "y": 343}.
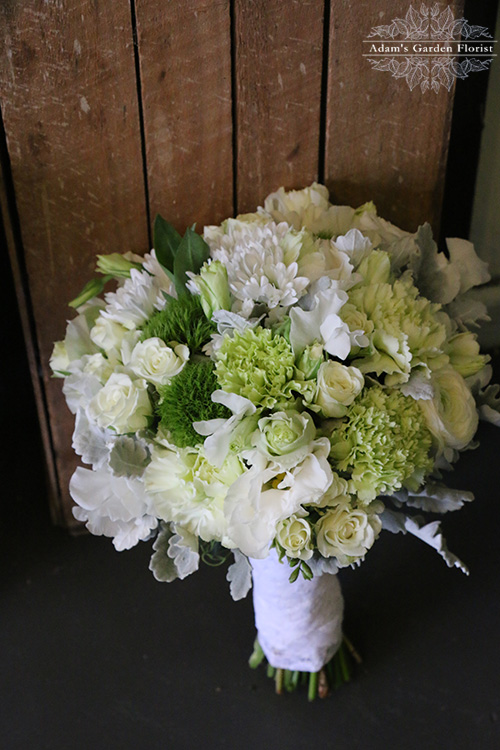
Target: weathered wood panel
{"x": 278, "y": 54}
{"x": 8, "y": 212}
{"x": 185, "y": 64}
{"x": 383, "y": 142}
{"x": 69, "y": 103}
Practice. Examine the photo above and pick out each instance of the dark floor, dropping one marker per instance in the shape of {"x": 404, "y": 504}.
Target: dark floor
{"x": 97, "y": 654}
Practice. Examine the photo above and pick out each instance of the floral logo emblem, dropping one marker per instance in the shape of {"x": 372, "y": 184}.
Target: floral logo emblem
{"x": 426, "y": 46}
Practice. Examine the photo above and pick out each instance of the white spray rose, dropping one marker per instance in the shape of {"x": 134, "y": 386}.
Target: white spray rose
{"x": 122, "y": 404}
{"x": 452, "y": 414}
{"x": 347, "y": 533}
{"x": 285, "y": 437}
{"x": 294, "y": 535}
{"x": 338, "y": 386}
{"x": 156, "y": 362}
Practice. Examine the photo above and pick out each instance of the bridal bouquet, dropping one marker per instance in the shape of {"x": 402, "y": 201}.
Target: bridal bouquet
{"x": 279, "y": 390}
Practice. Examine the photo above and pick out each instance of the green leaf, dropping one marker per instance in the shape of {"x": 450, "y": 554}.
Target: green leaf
{"x": 89, "y": 291}
{"x": 306, "y": 571}
{"x": 166, "y": 241}
{"x": 294, "y": 575}
{"x": 192, "y": 252}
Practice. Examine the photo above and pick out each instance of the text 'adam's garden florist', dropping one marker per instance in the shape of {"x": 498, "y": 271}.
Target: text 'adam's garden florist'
{"x": 441, "y": 48}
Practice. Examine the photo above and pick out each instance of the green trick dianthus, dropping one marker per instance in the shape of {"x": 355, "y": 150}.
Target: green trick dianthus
{"x": 181, "y": 320}
{"x": 187, "y": 399}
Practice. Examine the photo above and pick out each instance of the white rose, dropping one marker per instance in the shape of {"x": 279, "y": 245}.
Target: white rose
{"x": 452, "y": 414}
{"x": 337, "y": 387}
{"x": 285, "y": 437}
{"x": 336, "y": 491}
{"x": 96, "y": 364}
{"x": 347, "y": 533}
{"x": 355, "y": 319}
{"x": 108, "y": 335}
{"x": 156, "y": 362}
{"x": 122, "y": 404}
{"x": 294, "y": 535}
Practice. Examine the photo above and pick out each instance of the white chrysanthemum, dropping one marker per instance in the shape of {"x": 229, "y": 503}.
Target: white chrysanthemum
{"x": 136, "y": 301}
{"x": 261, "y": 262}
{"x": 153, "y": 265}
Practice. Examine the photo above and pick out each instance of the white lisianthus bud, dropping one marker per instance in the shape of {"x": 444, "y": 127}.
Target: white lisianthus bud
{"x": 59, "y": 359}
{"x": 451, "y": 415}
{"x": 294, "y": 535}
{"x": 156, "y": 362}
{"x": 337, "y": 388}
{"x": 310, "y": 360}
{"x": 464, "y": 354}
{"x": 122, "y": 404}
{"x": 212, "y": 286}
{"x": 347, "y": 533}
{"x": 117, "y": 265}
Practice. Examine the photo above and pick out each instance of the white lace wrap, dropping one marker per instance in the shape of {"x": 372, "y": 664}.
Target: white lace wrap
{"x": 299, "y": 624}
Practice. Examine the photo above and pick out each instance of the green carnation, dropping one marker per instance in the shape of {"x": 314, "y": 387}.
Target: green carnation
{"x": 383, "y": 444}
{"x": 259, "y": 365}
{"x": 408, "y": 330}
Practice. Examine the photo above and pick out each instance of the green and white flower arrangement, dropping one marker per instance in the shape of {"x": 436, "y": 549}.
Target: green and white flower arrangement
{"x": 279, "y": 391}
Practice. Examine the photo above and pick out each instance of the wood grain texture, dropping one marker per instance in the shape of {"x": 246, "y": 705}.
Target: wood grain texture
{"x": 383, "y": 142}
{"x": 278, "y": 50}
{"x": 185, "y": 64}
{"x": 6, "y": 212}
{"x": 69, "y": 103}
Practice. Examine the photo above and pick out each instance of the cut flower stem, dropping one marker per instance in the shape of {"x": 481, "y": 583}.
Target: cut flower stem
{"x": 319, "y": 684}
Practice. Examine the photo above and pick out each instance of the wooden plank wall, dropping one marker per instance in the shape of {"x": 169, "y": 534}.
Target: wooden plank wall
{"x": 115, "y": 111}
{"x": 384, "y": 142}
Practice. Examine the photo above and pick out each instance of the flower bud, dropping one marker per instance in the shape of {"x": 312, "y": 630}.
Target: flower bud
{"x": 310, "y": 360}
{"x": 115, "y": 265}
{"x": 213, "y": 287}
